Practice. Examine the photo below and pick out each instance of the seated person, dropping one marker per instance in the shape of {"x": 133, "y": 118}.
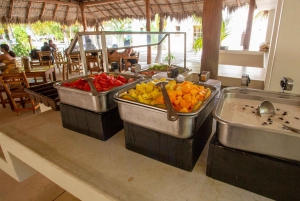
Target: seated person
{"x": 8, "y": 56}
{"x": 114, "y": 53}
{"x": 90, "y": 46}
{"x": 53, "y": 47}
{"x": 129, "y": 54}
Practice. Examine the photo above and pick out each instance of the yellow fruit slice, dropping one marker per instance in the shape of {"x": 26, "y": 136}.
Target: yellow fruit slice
{"x": 129, "y": 97}
{"x": 208, "y": 92}
{"x": 163, "y": 106}
{"x": 197, "y": 106}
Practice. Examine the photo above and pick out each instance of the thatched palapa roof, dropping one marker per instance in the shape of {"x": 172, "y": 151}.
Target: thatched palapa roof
{"x": 69, "y": 11}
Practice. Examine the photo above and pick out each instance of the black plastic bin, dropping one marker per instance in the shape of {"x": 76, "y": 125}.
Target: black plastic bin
{"x": 46, "y": 94}
{"x": 101, "y": 126}
{"x": 270, "y": 177}
{"x": 181, "y": 153}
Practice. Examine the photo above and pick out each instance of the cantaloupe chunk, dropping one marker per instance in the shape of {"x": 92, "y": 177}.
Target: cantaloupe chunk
{"x": 187, "y": 98}
{"x": 184, "y": 110}
{"x": 186, "y": 88}
{"x": 160, "y": 99}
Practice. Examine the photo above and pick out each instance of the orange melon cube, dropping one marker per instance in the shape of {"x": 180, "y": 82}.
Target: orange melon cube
{"x": 176, "y": 102}
{"x": 177, "y": 108}
{"x": 160, "y": 100}
{"x": 194, "y": 92}
{"x": 184, "y": 110}
{"x": 187, "y": 98}
{"x": 186, "y": 88}
{"x": 178, "y": 93}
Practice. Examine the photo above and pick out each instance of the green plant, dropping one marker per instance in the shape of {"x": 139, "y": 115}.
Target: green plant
{"x": 224, "y": 32}
{"x": 21, "y": 47}
{"x": 170, "y": 56}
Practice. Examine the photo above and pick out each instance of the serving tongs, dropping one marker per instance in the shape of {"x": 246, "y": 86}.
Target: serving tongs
{"x": 93, "y": 88}
{"x": 171, "y": 113}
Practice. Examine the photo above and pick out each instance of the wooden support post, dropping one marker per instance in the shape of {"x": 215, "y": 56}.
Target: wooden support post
{"x": 211, "y": 25}
{"x": 148, "y": 29}
{"x": 249, "y": 25}
{"x": 83, "y": 17}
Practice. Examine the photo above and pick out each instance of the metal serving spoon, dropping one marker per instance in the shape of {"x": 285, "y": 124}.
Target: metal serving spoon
{"x": 171, "y": 113}
{"x": 266, "y": 107}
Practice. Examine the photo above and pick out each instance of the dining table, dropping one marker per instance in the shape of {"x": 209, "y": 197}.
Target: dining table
{"x": 37, "y": 71}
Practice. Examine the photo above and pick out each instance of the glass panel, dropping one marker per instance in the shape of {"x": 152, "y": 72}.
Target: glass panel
{"x": 125, "y": 40}
{"x": 91, "y": 42}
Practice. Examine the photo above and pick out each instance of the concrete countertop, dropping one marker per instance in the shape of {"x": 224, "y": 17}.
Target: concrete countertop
{"x": 95, "y": 170}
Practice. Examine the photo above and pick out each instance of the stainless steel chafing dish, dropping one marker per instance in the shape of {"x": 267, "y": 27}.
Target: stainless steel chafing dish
{"x": 268, "y": 136}
{"x": 99, "y": 102}
{"x": 155, "y": 118}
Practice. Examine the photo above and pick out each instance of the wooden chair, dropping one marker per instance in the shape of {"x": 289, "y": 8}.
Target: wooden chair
{"x": 75, "y": 64}
{"x": 14, "y": 85}
{"x": 44, "y": 59}
{"x": 117, "y": 60}
{"x": 128, "y": 64}
{"x": 60, "y": 62}
{"x": 93, "y": 63}
{"x": 3, "y": 100}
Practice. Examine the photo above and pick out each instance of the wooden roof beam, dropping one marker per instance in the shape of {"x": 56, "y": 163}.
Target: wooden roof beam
{"x": 138, "y": 8}
{"x": 115, "y": 10}
{"x": 43, "y": 11}
{"x": 63, "y": 3}
{"x": 196, "y": 4}
{"x": 130, "y": 9}
{"x": 96, "y": 18}
{"x": 111, "y": 13}
{"x": 101, "y": 11}
{"x": 119, "y": 8}
{"x": 181, "y": 5}
{"x": 54, "y": 13}
{"x": 238, "y": 2}
{"x": 67, "y": 13}
{"x": 77, "y": 13}
{"x": 158, "y": 6}
{"x": 28, "y": 13}
{"x": 98, "y": 2}
{"x": 169, "y": 6}
{"x": 11, "y": 8}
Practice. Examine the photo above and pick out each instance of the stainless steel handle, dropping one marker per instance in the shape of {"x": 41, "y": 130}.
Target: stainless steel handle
{"x": 94, "y": 90}
{"x": 171, "y": 113}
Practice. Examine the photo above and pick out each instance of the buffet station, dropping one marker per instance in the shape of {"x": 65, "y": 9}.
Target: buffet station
{"x": 105, "y": 129}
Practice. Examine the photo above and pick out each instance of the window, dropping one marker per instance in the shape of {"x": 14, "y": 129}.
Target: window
{"x": 197, "y": 33}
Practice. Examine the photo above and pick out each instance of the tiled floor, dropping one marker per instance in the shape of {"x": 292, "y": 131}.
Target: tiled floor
{"x": 38, "y": 187}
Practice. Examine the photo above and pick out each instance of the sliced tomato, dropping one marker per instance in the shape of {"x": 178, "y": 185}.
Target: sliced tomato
{"x": 87, "y": 87}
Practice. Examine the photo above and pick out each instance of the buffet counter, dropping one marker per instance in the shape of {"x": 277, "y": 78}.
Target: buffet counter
{"x": 91, "y": 169}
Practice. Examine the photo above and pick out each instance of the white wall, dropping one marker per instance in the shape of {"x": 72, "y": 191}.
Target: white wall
{"x": 286, "y": 60}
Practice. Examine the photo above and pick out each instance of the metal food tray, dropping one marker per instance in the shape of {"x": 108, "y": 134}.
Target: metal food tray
{"x": 94, "y": 101}
{"x": 258, "y": 139}
{"x": 180, "y": 69}
{"x": 155, "y": 118}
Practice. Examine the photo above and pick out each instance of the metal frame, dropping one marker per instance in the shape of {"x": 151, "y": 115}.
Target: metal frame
{"x": 102, "y": 34}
